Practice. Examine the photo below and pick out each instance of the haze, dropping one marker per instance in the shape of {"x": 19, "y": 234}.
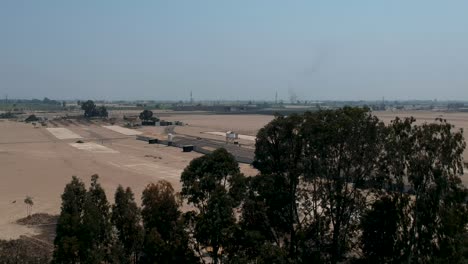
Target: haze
{"x": 162, "y": 50}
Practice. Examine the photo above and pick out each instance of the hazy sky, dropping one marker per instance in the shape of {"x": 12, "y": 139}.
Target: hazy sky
{"x": 344, "y": 50}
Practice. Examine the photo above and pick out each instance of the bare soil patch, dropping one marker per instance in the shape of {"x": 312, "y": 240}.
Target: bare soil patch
{"x": 31, "y": 248}
{"x": 63, "y": 133}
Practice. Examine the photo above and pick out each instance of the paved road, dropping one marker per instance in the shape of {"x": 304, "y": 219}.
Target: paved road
{"x": 203, "y": 145}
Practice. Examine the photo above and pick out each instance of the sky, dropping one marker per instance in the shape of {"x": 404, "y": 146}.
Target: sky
{"x": 234, "y": 50}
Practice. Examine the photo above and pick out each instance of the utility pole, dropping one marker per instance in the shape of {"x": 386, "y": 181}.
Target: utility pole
{"x": 276, "y": 97}
{"x": 191, "y": 98}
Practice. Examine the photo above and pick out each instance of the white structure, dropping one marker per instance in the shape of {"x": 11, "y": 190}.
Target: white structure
{"x": 170, "y": 137}
{"x": 124, "y": 131}
{"x": 231, "y": 136}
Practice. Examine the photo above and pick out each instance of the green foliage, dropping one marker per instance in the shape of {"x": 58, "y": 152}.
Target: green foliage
{"x": 165, "y": 238}
{"x": 432, "y": 164}
{"x": 31, "y": 105}
{"x": 380, "y": 226}
{"x": 7, "y": 115}
{"x": 318, "y": 174}
{"x": 335, "y": 186}
{"x": 68, "y": 233}
{"x": 101, "y": 111}
{"x": 127, "y": 220}
{"x": 311, "y": 166}
{"x": 214, "y": 225}
{"x": 205, "y": 174}
{"x": 89, "y": 107}
{"x": 91, "y": 110}
{"x": 278, "y": 151}
{"x": 341, "y": 155}
{"x": 22, "y": 251}
{"x": 31, "y": 118}
{"x": 50, "y": 102}
{"x": 267, "y": 254}
{"x": 146, "y": 115}
{"x": 84, "y": 232}
{"x": 214, "y": 185}
{"x": 96, "y": 229}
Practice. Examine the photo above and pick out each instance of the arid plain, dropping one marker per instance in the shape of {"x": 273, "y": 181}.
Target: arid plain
{"x": 39, "y": 161}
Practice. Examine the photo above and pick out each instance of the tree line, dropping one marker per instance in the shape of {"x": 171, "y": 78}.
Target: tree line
{"x": 334, "y": 186}
{"x": 92, "y": 110}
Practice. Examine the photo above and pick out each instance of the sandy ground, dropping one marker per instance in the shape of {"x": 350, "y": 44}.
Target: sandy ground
{"x": 239, "y": 136}
{"x": 459, "y": 120}
{"x": 242, "y": 124}
{"x": 198, "y": 124}
{"x": 62, "y": 133}
{"x": 123, "y": 130}
{"x": 34, "y": 162}
{"x": 39, "y": 163}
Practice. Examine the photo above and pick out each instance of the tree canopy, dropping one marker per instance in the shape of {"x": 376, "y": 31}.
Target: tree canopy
{"x": 320, "y": 172}
{"x": 31, "y": 118}
{"x": 214, "y": 185}
{"x": 334, "y": 186}
{"x": 68, "y": 239}
{"x": 126, "y": 218}
{"x": 146, "y": 115}
{"x": 166, "y": 240}
{"x": 91, "y": 110}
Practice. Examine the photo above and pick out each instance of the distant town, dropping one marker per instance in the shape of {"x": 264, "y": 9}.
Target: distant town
{"x": 18, "y": 106}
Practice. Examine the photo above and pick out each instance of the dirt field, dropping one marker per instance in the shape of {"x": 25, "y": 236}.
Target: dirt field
{"x": 39, "y": 162}
{"x": 35, "y": 162}
{"x": 459, "y": 120}
{"x": 198, "y": 124}
{"x": 242, "y": 124}
{"x": 250, "y": 124}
